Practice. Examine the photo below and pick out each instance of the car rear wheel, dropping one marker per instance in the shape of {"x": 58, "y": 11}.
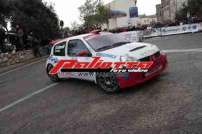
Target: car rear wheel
{"x": 53, "y": 78}
{"x": 107, "y": 82}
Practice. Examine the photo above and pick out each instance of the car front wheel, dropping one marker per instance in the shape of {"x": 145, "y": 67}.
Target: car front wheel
{"x": 53, "y": 78}
{"x": 108, "y": 82}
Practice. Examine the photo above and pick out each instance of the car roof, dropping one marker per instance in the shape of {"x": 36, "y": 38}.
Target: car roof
{"x": 73, "y": 37}
{"x": 81, "y": 36}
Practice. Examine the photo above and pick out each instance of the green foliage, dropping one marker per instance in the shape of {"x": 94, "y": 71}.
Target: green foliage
{"x": 74, "y": 26}
{"x": 194, "y": 7}
{"x": 88, "y": 8}
{"x": 102, "y": 13}
{"x": 34, "y": 16}
{"x": 182, "y": 14}
{"x": 3, "y": 12}
{"x": 94, "y": 13}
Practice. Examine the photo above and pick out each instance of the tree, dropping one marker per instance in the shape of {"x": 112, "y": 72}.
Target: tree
{"x": 103, "y": 14}
{"x": 4, "y": 12}
{"x": 3, "y": 24}
{"x": 87, "y": 9}
{"x": 94, "y": 13}
{"x": 74, "y": 26}
{"x": 193, "y": 7}
{"x": 66, "y": 32}
{"x": 87, "y": 12}
{"x": 35, "y": 16}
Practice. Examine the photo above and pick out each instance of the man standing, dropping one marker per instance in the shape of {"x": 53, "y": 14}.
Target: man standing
{"x": 2, "y": 37}
{"x": 20, "y": 34}
{"x": 35, "y": 44}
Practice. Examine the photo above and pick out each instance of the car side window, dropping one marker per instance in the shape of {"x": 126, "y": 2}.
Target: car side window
{"x": 59, "y": 49}
{"x": 75, "y": 47}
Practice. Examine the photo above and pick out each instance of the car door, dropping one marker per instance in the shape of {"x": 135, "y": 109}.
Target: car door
{"x": 59, "y": 53}
{"x": 74, "y": 47}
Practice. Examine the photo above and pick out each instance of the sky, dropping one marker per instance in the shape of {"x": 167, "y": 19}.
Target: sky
{"x": 67, "y": 10}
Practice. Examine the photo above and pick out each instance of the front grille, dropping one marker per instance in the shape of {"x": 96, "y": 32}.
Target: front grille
{"x": 148, "y": 58}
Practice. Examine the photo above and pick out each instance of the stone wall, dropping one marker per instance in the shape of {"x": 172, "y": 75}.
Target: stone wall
{"x": 11, "y": 58}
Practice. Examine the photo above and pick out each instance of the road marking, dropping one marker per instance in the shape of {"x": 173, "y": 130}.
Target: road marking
{"x": 183, "y": 50}
{"x": 19, "y": 68}
{"x": 27, "y": 97}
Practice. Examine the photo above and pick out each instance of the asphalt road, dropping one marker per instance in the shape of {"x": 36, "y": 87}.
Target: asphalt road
{"x": 171, "y": 104}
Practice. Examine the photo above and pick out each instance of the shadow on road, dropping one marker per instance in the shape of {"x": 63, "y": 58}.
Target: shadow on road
{"x": 81, "y": 85}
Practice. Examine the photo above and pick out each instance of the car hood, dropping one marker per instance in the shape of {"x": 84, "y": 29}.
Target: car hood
{"x": 136, "y": 50}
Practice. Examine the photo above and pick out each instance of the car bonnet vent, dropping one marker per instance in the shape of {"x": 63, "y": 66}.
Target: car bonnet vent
{"x": 137, "y": 48}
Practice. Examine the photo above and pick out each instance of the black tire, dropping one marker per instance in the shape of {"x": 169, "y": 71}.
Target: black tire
{"x": 107, "y": 82}
{"x": 53, "y": 78}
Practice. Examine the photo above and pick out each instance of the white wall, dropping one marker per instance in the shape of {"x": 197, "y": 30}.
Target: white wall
{"x": 121, "y": 5}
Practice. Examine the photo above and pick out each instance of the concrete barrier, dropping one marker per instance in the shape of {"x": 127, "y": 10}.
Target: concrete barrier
{"x": 173, "y": 30}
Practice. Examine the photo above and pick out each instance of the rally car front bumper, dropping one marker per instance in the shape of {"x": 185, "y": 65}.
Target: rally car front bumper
{"x": 132, "y": 79}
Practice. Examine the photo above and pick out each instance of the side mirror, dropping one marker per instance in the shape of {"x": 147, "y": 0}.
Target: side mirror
{"x": 84, "y": 53}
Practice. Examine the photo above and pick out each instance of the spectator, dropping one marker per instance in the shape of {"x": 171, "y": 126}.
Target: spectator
{"x": 2, "y": 38}
{"x": 20, "y": 34}
{"x": 35, "y": 44}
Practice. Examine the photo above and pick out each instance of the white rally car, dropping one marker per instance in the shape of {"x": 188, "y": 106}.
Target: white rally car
{"x": 110, "y": 47}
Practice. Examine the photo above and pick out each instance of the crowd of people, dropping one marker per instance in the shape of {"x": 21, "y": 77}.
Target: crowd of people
{"x": 17, "y": 40}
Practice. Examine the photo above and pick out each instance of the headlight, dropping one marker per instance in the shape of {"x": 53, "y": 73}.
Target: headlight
{"x": 127, "y": 58}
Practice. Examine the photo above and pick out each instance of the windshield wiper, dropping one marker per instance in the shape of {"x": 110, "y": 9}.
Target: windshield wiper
{"x": 112, "y": 46}
{"x": 104, "y": 48}
{"x": 119, "y": 44}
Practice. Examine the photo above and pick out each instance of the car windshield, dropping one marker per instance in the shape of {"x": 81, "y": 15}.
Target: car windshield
{"x": 105, "y": 42}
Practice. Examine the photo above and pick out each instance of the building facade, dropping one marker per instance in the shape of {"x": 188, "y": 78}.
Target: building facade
{"x": 159, "y": 13}
{"x": 127, "y": 7}
{"x": 146, "y": 20}
{"x": 131, "y": 18}
{"x": 166, "y": 11}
